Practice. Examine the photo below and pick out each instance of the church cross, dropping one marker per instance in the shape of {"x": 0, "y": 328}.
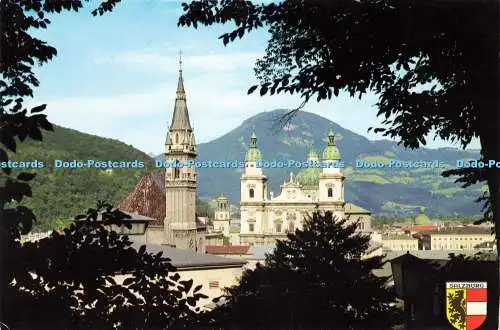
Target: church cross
{"x": 180, "y": 59}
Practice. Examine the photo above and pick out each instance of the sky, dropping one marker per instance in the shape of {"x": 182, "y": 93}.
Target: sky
{"x": 115, "y": 76}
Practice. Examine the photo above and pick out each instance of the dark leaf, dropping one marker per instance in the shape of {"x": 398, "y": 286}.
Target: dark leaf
{"x": 26, "y": 176}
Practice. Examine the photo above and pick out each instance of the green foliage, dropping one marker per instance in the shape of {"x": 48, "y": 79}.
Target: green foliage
{"x": 76, "y": 285}
{"x": 316, "y": 278}
{"x": 203, "y": 209}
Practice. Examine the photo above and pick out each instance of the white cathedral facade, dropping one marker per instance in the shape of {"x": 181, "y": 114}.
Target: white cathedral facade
{"x": 265, "y": 217}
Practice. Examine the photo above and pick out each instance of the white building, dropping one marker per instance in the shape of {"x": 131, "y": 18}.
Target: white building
{"x": 265, "y": 217}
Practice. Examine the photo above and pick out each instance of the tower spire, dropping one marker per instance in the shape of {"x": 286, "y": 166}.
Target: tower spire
{"x": 180, "y": 119}
{"x": 180, "y": 61}
{"x": 181, "y": 94}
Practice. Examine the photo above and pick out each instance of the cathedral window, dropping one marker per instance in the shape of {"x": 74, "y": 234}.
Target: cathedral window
{"x": 176, "y": 173}
{"x": 176, "y": 138}
{"x": 250, "y": 227}
{"x": 291, "y": 227}
{"x": 330, "y": 192}
{"x": 251, "y": 192}
{"x": 278, "y": 227}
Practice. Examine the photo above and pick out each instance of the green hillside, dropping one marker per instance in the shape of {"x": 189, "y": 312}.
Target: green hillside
{"x": 60, "y": 194}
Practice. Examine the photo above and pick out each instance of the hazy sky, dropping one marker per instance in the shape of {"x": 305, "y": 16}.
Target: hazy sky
{"x": 115, "y": 76}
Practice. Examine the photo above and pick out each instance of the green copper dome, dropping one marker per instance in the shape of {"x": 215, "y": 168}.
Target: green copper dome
{"x": 309, "y": 177}
{"x": 222, "y": 197}
{"x": 422, "y": 219}
{"x": 313, "y": 155}
{"x": 253, "y": 154}
{"x": 331, "y": 151}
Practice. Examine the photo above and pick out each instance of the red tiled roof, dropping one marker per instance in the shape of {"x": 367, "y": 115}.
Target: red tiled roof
{"x": 420, "y": 228}
{"x": 147, "y": 198}
{"x": 227, "y": 249}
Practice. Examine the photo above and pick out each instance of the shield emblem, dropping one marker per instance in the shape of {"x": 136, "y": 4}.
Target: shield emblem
{"x": 466, "y": 304}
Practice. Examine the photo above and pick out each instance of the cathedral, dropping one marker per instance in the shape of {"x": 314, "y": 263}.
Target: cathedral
{"x": 265, "y": 217}
{"x": 169, "y": 199}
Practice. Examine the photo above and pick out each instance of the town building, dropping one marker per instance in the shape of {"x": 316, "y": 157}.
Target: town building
{"x": 457, "y": 238}
{"x": 401, "y": 242}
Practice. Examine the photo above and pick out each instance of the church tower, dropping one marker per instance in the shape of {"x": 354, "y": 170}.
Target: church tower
{"x": 222, "y": 217}
{"x": 331, "y": 180}
{"x": 253, "y": 195}
{"x": 180, "y": 176}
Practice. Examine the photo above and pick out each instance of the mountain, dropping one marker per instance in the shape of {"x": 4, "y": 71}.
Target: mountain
{"x": 383, "y": 191}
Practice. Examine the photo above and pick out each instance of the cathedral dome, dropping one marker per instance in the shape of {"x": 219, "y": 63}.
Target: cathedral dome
{"x": 309, "y": 177}
{"x": 331, "y": 152}
{"x": 312, "y": 156}
{"x": 222, "y": 197}
{"x": 422, "y": 219}
{"x": 253, "y": 154}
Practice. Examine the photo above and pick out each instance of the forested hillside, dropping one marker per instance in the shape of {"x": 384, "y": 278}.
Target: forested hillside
{"x": 61, "y": 194}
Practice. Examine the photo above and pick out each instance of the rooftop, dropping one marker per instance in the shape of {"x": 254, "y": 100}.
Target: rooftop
{"x": 420, "y": 228}
{"x": 259, "y": 251}
{"x": 147, "y": 198}
{"x": 354, "y": 209}
{"x": 397, "y": 237}
{"x": 186, "y": 259}
{"x": 227, "y": 249}
{"x": 429, "y": 254}
{"x": 467, "y": 230}
{"x": 133, "y": 217}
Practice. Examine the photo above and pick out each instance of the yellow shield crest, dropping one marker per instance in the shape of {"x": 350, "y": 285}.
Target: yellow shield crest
{"x": 466, "y": 304}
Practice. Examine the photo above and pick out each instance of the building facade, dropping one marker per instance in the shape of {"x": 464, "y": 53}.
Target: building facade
{"x": 402, "y": 242}
{"x": 320, "y": 186}
{"x": 222, "y": 217}
{"x": 458, "y": 238}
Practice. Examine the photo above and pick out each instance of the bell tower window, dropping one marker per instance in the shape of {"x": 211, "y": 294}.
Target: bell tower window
{"x": 176, "y": 170}
{"x": 330, "y": 192}
{"x": 251, "y": 193}
{"x": 176, "y": 138}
